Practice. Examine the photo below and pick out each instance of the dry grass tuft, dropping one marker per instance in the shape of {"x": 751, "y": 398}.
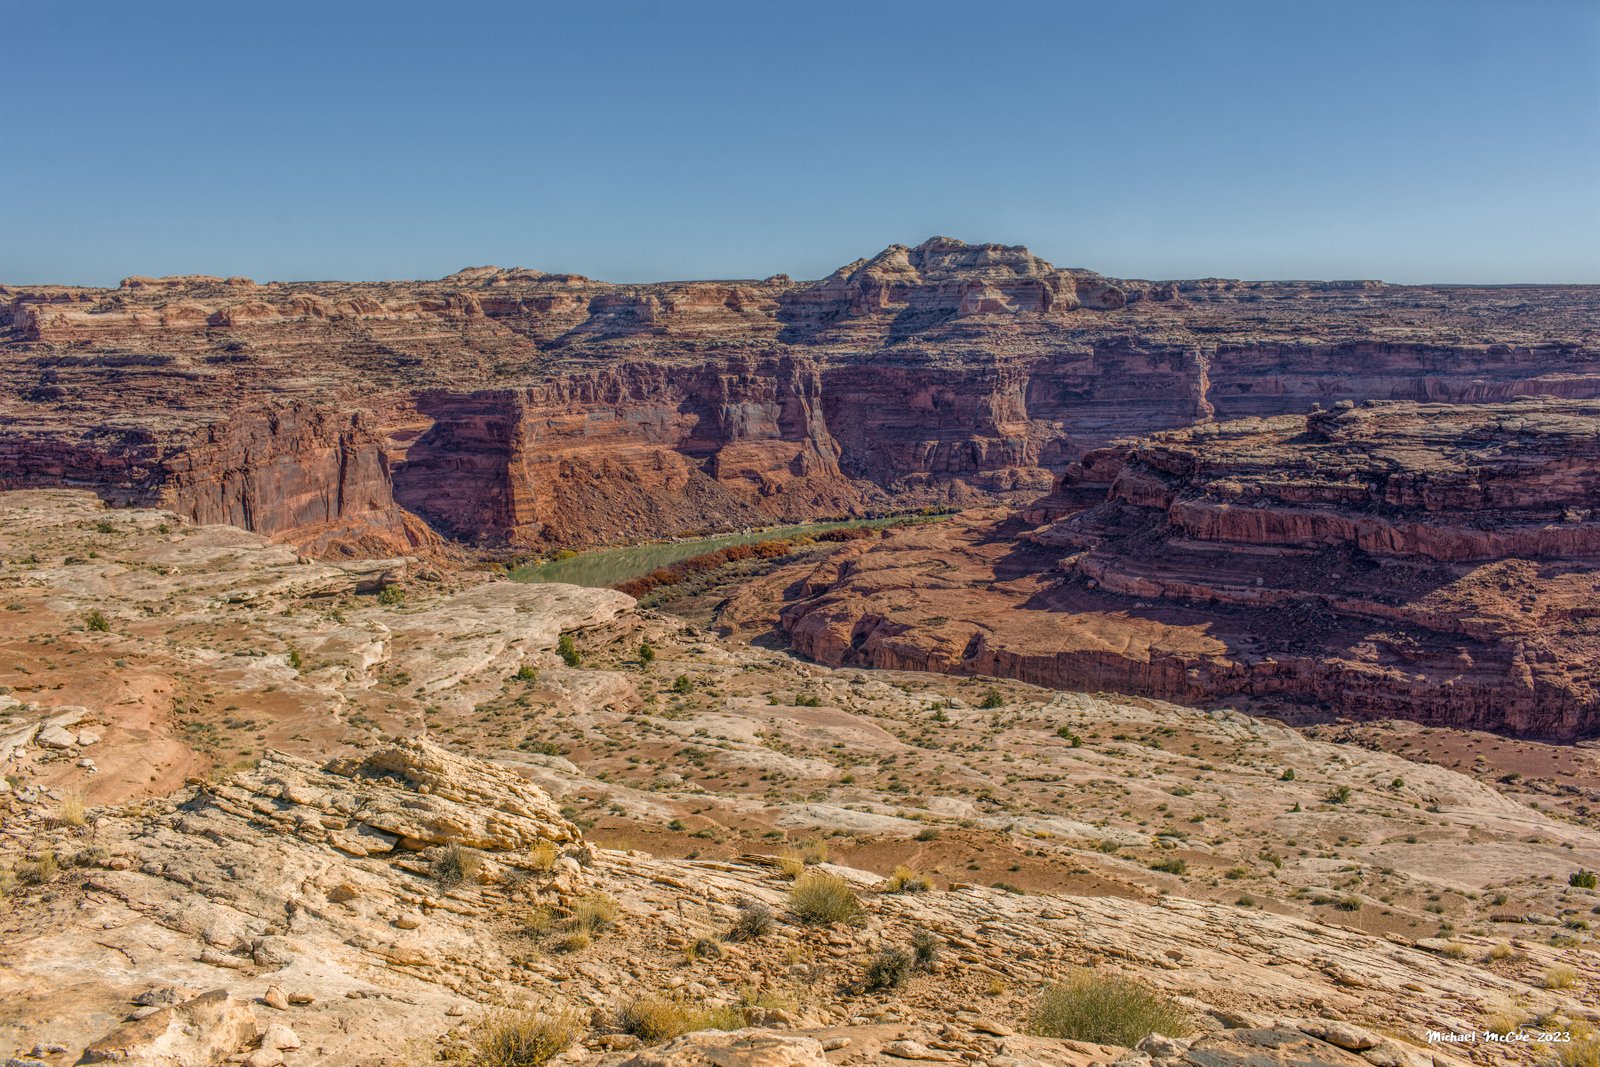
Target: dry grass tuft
{"x": 523, "y": 1039}
{"x": 656, "y": 1019}
{"x": 1108, "y": 1010}
{"x": 824, "y": 899}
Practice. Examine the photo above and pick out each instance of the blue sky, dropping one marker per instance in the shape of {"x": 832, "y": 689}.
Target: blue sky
{"x": 1412, "y": 141}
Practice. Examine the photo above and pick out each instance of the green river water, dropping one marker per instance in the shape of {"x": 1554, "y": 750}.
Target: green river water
{"x": 605, "y": 567}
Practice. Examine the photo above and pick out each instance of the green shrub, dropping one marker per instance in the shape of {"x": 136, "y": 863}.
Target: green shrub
{"x": 1107, "y": 1010}
{"x": 1170, "y": 866}
{"x": 391, "y": 596}
{"x": 683, "y": 684}
{"x": 1338, "y": 795}
{"x": 97, "y": 622}
{"x": 1287, "y": 775}
{"x": 1582, "y": 879}
{"x": 568, "y": 651}
{"x": 992, "y": 699}
{"x": 824, "y": 899}
{"x": 889, "y": 969}
{"x": 647, "y": 653}
{"x": 295, "y": 659}
{"x": 527, "y": 673}
{"x": 522, "y": 1039}
{"x": 806, "y": 700}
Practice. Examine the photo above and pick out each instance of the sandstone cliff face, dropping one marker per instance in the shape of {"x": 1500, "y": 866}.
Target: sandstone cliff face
{"x": 518, "y": 408}
{"x": 1433, "y": 562}
{"x": 631, "y": 449}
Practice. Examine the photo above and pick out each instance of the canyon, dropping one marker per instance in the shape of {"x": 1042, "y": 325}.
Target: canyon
{"x": 511, "y": 411}
{"x": 1439, "y": 563}
{"x": 1376, "y": 500}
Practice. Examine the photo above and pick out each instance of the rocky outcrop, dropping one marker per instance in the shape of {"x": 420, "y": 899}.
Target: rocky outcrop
{"x": 522, "y": 409}
{"x": 1430, "y": 562}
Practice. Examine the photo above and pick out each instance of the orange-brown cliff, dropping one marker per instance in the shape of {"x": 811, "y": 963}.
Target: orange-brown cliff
{"x": 523, "y": 409}
{"x": 1431, "y": 562}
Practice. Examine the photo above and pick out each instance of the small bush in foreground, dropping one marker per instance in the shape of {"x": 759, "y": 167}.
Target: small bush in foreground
{"x": 754, "y": 922}
{"x": 97, "y": 622}
{"x": 925, "y": 948}
{"x": 455, "y": 865}
{"x": 522, "y": 1039}
{"x": 824, "y": 899}
{"x": 1583, "y": 879}
{"x": 1108, "y": 1010}
{"x": 567, "y": 649}
{"x": 1560, "y": 977}
{"x": 906, "y": 880}
{"x": 889, "y": 969}
{"x": 656, "y": 1019}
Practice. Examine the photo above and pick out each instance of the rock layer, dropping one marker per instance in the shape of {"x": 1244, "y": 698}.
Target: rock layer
{"x": 511, "y": 407}
{"x": 1432, "y": 562}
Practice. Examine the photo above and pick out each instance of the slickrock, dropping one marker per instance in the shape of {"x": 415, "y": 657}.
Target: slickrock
{"x": 515, "y": 409}
{"x": 381, "y": 831}
{"x": 1430, "y": 562}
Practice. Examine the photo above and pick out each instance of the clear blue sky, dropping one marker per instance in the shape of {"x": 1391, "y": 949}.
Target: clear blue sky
{"x": 1412, "y": 141}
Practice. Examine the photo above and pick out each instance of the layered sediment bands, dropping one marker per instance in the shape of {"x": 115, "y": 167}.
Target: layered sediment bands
{"x": 525, "y": 409}
{"x": 637, "y": 448}
{"x": 1432, "y": 562}
{"x": 316, "y": 477}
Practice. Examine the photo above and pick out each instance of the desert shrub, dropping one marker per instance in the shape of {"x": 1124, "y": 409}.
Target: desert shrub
{"x": 1504, "y": 1020}
{"x": 647, "y": 653}
{"x": 1170, "y": 866}
{"x": 568, "y": 651}
{"x": 39, "y": 870}
{"x": 807, "y": 700}
{"x": 1560, "y": 977}
{"x": 1108, "y": 1010}
{"x": 992, "y": 699}
{"x": 906, "y": 880}
{"x": 794, "y": 861}
{"x": 455, "y": 865}
{"x": 542, "y": 856}
{"x": 1338, "y": 795}
{"x": 889, "y": 969}
{"x": 1583, "y": 879}
{"x": 522, "y": 1039}
{"x": 71, "y": 812}
{"x": 656, "y": 1019}
{"x": 1351, "y": 903}
{"x": 527, "y": 673}
{"x": 97, "y": 622}
{"x": 1501, "y": 951}
{"x": 928, "y": 833}
{"x": 1287, "y": 775}
{"x": 683, "y": 684}
{"x": 391, "y": 596}
{"x": 1582, "y": 1051}
{"x": 594, "y": 913}
{"x": 704, "y": 948}
{"x": 824, "y": 899}
{"x": 753, "y": 922}
{"x": 925, "y": 948}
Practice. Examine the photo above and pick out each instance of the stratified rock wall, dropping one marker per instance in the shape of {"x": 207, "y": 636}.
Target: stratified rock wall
{"x": 1433, "y": 562}
{"x": 524, "y": 409}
